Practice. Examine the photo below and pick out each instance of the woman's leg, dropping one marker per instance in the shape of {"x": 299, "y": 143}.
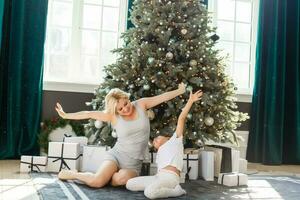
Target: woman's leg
{"x": 97, "y": 180}
{"x": 122, "y": 176}
{"x": 140, "y": 183}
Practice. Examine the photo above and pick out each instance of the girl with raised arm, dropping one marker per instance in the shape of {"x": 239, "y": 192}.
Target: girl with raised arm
{"x": 132, "y": 125}
{"x": 169, "y": 161}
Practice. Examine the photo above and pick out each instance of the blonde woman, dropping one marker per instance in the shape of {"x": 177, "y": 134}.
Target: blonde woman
{"x": 132, "y": 125}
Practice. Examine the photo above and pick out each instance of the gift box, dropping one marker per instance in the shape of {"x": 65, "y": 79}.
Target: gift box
{"x": 148, "y": 169}
{"x": 206, "y": 165}
{"x": 233, "y": 179}
{"x": 182, "y": 177}
{"x": 145, "y": 171}
{"x": 152, "y": 157}
{"x": 243, "y": 164}
{"x": 153, "y": 169}
{"x": 93, "y": 157}
{"x": 62, "y": 155}
{"x": 82, "y": 142}
{"x": 230, "y": 160}
{"x": 217, "y": 159}
{"x": 191, "y": 164}
{"x": 33, "y": 164}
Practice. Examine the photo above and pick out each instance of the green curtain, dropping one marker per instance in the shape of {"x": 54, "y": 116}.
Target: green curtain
{"x": 129, "y": 24}
{"x": 21, "y": 60}
{"x": 1, "y": 17}
{"x": 275, "y": 119}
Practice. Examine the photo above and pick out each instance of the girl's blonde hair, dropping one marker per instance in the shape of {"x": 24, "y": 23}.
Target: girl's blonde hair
{"x": 112, "y": 98}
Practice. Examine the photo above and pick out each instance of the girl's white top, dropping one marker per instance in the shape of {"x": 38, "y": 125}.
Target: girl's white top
{"x": 170, "y": 153}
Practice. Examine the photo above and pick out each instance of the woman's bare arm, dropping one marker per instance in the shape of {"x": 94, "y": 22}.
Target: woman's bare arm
{"x": 150, "y": 102}
{"x": 98, "y": 115}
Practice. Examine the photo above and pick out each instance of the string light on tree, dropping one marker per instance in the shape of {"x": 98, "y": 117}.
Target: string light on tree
{"x": 184, "y": 31}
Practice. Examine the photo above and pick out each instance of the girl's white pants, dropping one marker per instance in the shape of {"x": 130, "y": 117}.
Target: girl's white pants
{"x": 162, "y": 185}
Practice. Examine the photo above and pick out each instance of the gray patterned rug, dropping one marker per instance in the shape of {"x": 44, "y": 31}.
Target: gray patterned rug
{"x": 259, "y": 187}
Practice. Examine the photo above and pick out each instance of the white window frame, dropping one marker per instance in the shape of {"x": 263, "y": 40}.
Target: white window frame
{"x": 76, "y": 18}
{"x": 243, "y": 95}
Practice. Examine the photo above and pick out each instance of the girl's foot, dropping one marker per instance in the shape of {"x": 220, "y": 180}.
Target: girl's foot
{"x": 179, "y": 191}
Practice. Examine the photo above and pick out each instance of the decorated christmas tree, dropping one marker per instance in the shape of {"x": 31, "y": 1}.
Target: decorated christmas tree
{"x": 172, "y": 41}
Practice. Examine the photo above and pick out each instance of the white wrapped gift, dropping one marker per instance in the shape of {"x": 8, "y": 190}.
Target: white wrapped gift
{"x": 217, "y": 159}
{"x": 206, "y": 166}
{"x": 230, "y": 159}
{"x": 191, "y": 164}
{"x": 233, "y": 179}
{"x": 82, "y": 140}
{"x": 33, "y": 164}
{"x": 243, "y": 165}
{"x": 182, "y": 177}
{"x": 93, "y": 157}
{"x": 62, "y": 155}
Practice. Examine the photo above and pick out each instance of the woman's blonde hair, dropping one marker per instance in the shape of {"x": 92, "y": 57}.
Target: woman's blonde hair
{"x": 112, "y": 98}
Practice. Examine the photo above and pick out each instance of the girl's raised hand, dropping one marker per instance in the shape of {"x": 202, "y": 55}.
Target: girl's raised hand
{"x": 196, "y": 96}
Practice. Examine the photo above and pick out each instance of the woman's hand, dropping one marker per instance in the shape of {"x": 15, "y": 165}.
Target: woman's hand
{"x": 181, "y": 88}
{"x": 60, "y": 111}
{"x": 196, "y": 96}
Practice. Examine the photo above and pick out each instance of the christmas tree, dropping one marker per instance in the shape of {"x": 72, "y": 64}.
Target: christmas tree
{"x": 172, "y": 42}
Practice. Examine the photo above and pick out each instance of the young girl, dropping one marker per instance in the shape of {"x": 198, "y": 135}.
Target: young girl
{"x": 132, "y": 125}
{"x": 169, "y": 161}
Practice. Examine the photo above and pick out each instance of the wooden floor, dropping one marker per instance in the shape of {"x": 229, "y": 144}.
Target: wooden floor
{"x": 14, "y": 185}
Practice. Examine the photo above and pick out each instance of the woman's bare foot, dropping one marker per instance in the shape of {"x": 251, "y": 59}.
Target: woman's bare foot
{"x": 67, "y": 174}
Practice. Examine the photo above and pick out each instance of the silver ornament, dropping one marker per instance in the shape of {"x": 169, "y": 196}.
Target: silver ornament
{"x": 114, "y": 134}
{"x": 169, "y": 56}
{"x": 199, "y": 142}
{"x": 193, "y": 63}
{"x": 98, "y": 124}
{"x": 209, "y": 121}
{"x": 150, "y": 60}
{"x": 146, "y": 87}
{"x": 189, "y": 88}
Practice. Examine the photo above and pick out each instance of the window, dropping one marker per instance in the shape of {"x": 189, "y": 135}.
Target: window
{"x": 236, "y": 22}
{"x": 80, "y": 35}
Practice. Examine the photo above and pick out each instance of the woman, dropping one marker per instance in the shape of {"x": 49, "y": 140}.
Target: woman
{"x": 132, "y": 125}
